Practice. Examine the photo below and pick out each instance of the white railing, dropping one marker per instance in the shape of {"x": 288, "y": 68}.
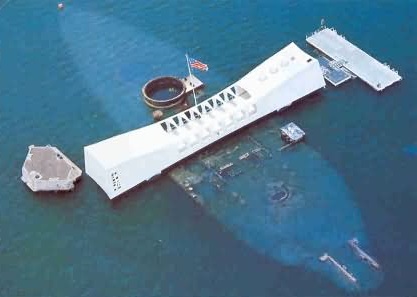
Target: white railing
{"x": 195, "y": 112}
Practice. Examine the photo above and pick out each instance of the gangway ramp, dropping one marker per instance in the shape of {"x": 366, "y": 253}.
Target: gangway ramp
{"x": 374, "y": 73}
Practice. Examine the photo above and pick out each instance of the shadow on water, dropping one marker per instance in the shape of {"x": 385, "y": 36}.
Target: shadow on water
{"x": 116, "y": 60}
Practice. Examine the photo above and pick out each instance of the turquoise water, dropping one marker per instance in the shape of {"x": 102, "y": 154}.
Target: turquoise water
{"x": 72, "y": 78}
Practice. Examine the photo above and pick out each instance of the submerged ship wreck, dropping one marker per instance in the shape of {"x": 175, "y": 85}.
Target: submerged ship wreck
{"x": 290, "y": 205}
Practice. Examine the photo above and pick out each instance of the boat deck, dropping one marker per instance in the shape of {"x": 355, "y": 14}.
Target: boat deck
{"x": 374, "y": 73}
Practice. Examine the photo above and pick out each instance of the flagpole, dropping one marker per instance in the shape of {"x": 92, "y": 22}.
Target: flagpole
{"x": 189, "y": 71}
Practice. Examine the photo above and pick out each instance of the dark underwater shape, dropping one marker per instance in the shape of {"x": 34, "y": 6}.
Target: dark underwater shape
{"x": 319, "y": 214}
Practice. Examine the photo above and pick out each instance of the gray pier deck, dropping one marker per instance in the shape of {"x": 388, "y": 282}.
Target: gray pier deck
{"x": 374, "y": 73}
{"x": 191, "y": 82}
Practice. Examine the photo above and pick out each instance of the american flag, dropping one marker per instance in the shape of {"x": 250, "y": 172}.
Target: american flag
{"x": 198, "y": 65}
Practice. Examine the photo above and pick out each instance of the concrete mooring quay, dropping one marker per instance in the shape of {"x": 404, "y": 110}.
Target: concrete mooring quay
{"x": 374, "y": 73}
{"x": 47, "y": 169}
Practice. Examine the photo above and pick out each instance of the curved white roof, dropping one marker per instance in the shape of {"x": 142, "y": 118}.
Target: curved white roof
{"x": 274, "y": 70}
{"x": 122, "y": 161}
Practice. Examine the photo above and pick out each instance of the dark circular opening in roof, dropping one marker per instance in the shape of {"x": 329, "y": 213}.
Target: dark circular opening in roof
{"x": 164, "y": 92}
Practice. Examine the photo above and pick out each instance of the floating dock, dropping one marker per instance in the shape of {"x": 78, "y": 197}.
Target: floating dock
{"x": 191, "y": 82}
{"x": 374, "y": 73}
{"x": 47, "y": 169}
{"x": 333, "y": 72}
{"x": 354, "y": 244}
{"x": 342, "y": 268}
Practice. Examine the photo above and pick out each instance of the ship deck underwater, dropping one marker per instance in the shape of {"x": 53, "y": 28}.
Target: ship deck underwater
{"x": 283, "y": 212}
{"x": 73, "y": 77}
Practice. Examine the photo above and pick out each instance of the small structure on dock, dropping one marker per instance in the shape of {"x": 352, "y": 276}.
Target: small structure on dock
{"x": 354, "y": 244}
{"x": 342, "y": 268}
{"x": 374, "y": 73}
{"x": 291, "y": 134}
{"x": 333, "y": 71}
{"x": 192, "y": 82}
{"x": 47, "y": 169}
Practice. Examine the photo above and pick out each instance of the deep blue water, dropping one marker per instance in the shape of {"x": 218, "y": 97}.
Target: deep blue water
{"x": 71, "y": 78}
